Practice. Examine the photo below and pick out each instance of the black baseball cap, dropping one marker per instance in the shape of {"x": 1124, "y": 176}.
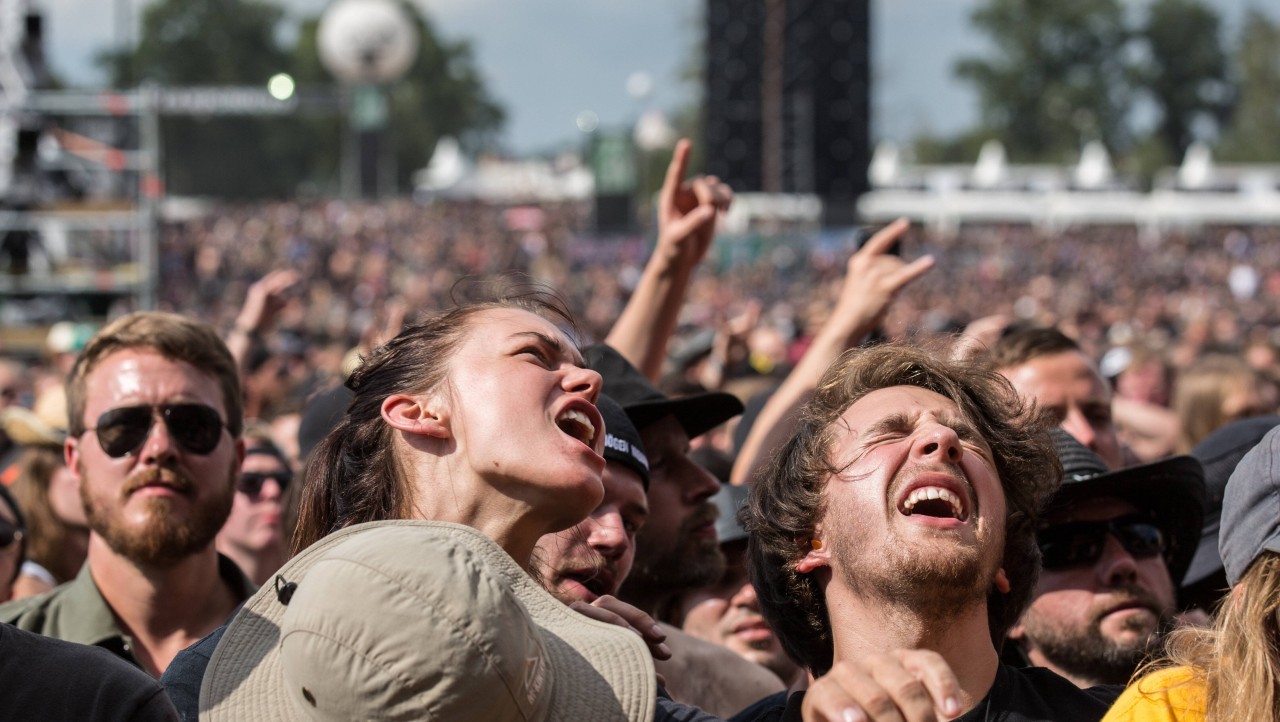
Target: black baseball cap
{"x": 1171, "y": 490}
{"x": 645, "y": 404}
{"x": 621, "y": 440}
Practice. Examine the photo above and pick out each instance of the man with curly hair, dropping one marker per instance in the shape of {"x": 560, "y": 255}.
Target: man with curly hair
{"x": 901, "y": 515}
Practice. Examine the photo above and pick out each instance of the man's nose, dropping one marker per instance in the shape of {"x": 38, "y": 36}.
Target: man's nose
{"x": 608, "y": 534}
{"x": 159, "y": 446}
{"x": 1116, "y": 567}
{"x": 1079, "y": 427}
{"x": 939, "y": 442}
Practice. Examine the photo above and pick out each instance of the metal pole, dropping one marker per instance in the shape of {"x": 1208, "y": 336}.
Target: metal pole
{"x": 150, "y": 191}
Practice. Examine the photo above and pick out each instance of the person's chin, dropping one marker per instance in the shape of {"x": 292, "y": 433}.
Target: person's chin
{"x": 1130, "y": 627}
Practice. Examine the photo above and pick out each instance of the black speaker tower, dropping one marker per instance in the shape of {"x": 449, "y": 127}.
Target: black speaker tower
{"x": 788, "y": 98}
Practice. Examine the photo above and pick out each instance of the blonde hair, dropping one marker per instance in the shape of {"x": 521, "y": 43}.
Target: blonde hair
{"x": 1238, "y": 658}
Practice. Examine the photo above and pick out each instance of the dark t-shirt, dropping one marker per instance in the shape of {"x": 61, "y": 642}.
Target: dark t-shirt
{"x": 47, "y": 678}
{"x": 185, "y": 673}
{"x": 1030, "y": 694}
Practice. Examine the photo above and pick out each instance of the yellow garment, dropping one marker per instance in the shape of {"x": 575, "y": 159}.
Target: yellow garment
{"x": 1170, "y": 695}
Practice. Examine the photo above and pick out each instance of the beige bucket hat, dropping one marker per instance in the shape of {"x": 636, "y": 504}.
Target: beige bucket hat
{"x": 425, "y": 621}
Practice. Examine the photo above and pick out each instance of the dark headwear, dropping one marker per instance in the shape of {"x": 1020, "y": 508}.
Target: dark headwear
{"x": 321, "y": 415}
{"x": 1251, "y": 508}
{"x": 1219, "y": 453}
{"x": 645, "y": 404}
{"x": 621, "y": 440}
{"x": 1171, "y": 490}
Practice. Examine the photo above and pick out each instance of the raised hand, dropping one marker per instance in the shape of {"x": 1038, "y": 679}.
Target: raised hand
{"x": 913, "y": 685}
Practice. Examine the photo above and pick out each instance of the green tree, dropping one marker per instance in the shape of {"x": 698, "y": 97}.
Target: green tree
{"x": 1185, "y": 71}
{"x": 1254, "y": 133}
{"x": 234, "y": 42}
{"x": 1056, "y": 77}
{"x": 214, "y": 42}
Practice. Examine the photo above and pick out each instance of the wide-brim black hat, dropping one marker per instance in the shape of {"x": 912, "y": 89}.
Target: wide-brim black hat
{"x": 1171, "y": 490}
{"x": 645, "y": 404}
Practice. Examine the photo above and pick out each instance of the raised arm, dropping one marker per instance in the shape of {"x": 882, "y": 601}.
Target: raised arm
{"x": 262, "y": 303}
{"x": 873, "y": 280}
{"x": 686, "y": 224}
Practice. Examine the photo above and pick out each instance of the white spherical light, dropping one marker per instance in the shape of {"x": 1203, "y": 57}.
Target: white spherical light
{"x": 367, "y": 41}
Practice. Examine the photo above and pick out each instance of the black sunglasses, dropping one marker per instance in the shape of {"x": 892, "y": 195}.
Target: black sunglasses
{"x": 250, "y": 482}
{"x": 10, "y": 533}
{"x": 197, "y": 428}
{"x": 1080, "y": 543}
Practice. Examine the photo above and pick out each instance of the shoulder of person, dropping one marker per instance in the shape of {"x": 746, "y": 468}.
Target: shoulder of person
{"x": 75, "y": 681}
{"x": 1036, "y": 689}
{"x": 1170, "y": 694}
{"x": 31, "y": 613}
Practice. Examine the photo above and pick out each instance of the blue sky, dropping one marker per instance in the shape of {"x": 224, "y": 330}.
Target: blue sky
{"x": 548, "y": 60}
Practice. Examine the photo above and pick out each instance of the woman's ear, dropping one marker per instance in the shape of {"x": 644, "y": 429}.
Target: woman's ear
{"x": 416, "y": 415}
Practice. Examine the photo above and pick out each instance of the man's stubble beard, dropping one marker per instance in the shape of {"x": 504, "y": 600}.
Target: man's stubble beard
{"x": 163, "y": 541}
{"x": 682, "y": 564}
{"x": 936, "y": 583}
{"x": 1092, "y": 655}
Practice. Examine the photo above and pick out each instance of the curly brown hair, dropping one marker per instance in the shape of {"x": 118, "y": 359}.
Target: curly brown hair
{"x": 789, "y": 499}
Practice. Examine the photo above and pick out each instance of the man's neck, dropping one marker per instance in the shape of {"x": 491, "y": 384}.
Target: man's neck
{"x": 862, "y": 627}
{"x": 164, "y": 609}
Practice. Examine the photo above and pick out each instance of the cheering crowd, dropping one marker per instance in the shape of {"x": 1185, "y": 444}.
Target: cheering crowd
{"x": 359, "y": 471}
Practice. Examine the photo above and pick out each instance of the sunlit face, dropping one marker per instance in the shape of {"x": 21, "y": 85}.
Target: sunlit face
{"x": 521, "y": 411}
{"x": 592, "y": 558}
{"x": 160, "y": 503}
{"x": 256, "y": 522}
{"x": 917, "y": 511}
{"x": 1070, "y": 386}
{"x": 1098, "y": 622}
{"x": 728, "y": 613}
{"x": 678, "y": 547}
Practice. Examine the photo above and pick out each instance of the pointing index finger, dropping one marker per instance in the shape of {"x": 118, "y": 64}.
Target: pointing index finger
{"x": 884, "y": 238}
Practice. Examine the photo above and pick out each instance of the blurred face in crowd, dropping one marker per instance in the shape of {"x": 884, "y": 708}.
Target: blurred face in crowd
{"x": 590, "y": 560}
{"x": 1069, "y": 385}
{"x": 678, "y": 547}
{"x": 256, "y": 522}
{"x": 1094, "y": 622}
{"x": 10, "y": 550}
{"x": 11, "y": 383}
{"x": 161, "y": 501}
{"x": 728, "y": 613}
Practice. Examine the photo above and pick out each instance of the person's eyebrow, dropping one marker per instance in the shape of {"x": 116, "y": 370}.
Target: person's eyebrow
{"x": 903, "y": 422}
{"x": 892, "y": 423}
{"x": 555, "y": 344}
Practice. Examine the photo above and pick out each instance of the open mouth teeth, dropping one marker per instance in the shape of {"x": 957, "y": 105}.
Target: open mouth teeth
{"x": 933, "y": 501}
{"x": 578, "y": 425}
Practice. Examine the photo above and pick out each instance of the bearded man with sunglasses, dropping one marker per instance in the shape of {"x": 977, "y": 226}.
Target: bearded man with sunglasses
{"x": 1114, "y": 547}
{"x": 155, "y": 415}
